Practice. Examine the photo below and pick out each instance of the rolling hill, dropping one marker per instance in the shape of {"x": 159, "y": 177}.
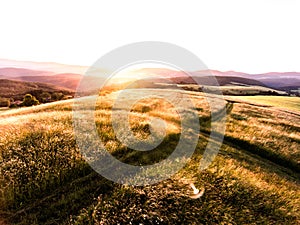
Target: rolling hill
{"x": 285, "y": 81}
{"x": 254, "y": 179}
{"x": 221, "y": 80}
{"x": 69, "y": 76}
{"x": 228, "y": 85}
{"x": 17, "y": 89}
{"x": 65, "y": 80}
{"x": 44, "y": 178}
{"x": 11, "y": 72}
{"x": 277, "y": 80}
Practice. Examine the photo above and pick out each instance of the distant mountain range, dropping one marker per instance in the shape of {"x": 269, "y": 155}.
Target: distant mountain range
{"x": 276, "y": 80}
{"x": 67, "y": 77}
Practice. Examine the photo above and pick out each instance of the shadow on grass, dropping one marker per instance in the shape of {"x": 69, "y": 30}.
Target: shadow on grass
{"x": 58, "y": 204}
{"x": 168, "y": 203}
{"x": 262, "y": 152}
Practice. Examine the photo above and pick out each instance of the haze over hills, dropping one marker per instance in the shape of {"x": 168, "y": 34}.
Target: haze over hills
{"x": 43, "y": 66}
{"x": 64, "y": 76}
{"x": 271, "y": 79}
{"x": 11, "y": 72}
{"x": 164, "y": 72}
{"x": 277, "y": 80}
{"x": 68, "y": 76}
{"x": 66, "y": 80}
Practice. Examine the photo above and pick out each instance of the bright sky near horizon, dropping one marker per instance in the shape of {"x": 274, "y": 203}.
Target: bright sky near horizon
{"x": 253, "y": 36}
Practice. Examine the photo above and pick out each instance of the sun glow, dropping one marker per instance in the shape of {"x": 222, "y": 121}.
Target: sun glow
{"x": 142, "y": 71}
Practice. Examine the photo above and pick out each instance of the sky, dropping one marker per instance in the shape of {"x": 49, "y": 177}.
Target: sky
{"x": 253, "y": 36}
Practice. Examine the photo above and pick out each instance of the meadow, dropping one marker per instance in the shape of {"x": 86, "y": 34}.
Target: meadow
{"x": 290, "y": 103}
{"x": 44, "y": 179}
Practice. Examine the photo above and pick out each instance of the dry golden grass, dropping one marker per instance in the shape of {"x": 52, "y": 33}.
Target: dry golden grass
{"x": 270, "y": 128}
{"x": 44, "y": 179}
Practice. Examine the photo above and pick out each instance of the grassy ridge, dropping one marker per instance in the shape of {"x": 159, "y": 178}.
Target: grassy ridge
{"x": 44, "y": 179}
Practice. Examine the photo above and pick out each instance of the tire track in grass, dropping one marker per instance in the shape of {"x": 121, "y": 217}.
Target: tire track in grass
{"x": 254, "y": 149}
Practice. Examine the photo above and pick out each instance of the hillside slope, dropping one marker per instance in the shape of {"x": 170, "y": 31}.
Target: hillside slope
{"x": 17, "y": 89}
{"x": 221, "y": 80}
{"x": 66, "y": 80}
{"x": 254, "y": 179}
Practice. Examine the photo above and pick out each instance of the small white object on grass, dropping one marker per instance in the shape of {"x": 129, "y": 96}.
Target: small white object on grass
{"x": 197, "y": 193}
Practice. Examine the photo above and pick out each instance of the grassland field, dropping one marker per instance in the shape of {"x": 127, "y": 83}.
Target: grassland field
{"x": 290, "y": 103}
{"x": 254, "y": 179}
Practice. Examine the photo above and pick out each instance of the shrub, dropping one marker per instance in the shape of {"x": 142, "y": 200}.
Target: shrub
{"x": 56, "y": 96}
{"x": 12, "y": 106}
{"x": 29, "y": 100}
{"x": 45, "y": 97}
{"x": 4, "y": 102}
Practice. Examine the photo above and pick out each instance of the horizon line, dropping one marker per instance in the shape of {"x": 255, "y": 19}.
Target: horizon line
{"x": 77, "y": 65}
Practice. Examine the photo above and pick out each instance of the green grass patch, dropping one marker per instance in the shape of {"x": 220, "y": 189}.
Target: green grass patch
{"x": 285, "y": 102}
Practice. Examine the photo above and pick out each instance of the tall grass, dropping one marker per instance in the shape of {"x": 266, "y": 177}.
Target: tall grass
{"x": 45, "y": 180}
